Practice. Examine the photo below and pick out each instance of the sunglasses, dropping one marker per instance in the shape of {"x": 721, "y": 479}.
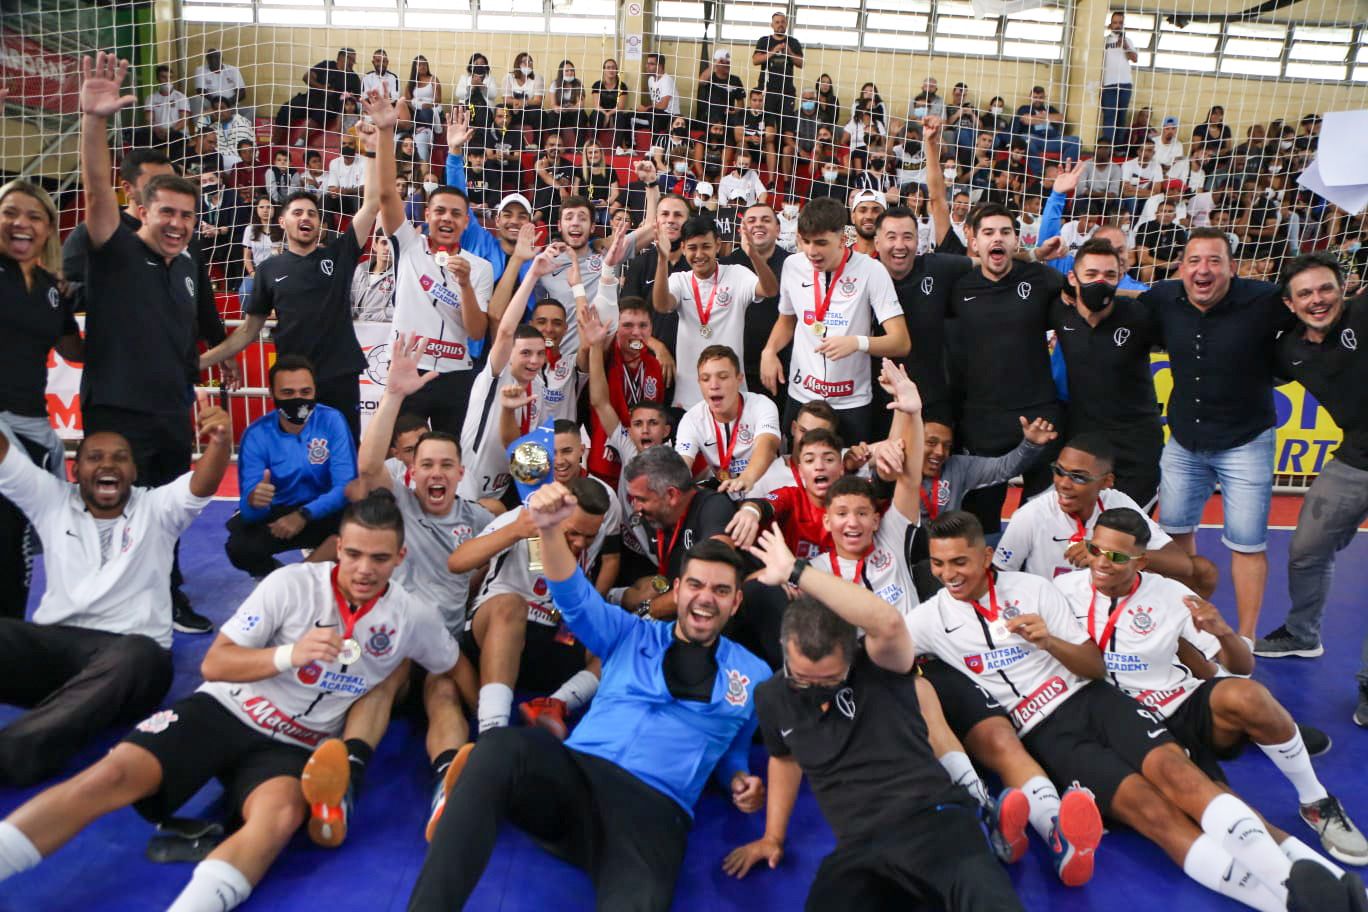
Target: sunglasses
{"x": 1116, "y": 557}
{"x": 1082, "y": 478}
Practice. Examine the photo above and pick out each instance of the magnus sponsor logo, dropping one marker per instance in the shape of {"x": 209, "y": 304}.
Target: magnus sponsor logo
{"x": 1028, "y": 709}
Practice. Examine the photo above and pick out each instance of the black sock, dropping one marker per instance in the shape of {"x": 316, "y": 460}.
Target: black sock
{"x": 442, "y": 761}
{"x": 359, "y": 754}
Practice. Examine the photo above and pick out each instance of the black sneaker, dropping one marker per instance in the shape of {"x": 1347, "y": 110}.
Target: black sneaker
{"x": 1281, "y": 644}
{"x": 1317, "y": 742}
{"x": 185, "y": 619}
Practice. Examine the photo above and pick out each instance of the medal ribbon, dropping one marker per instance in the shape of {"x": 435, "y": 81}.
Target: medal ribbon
{"x": 349, "y": 613}
{"x": 526, "y": 422}
{"x": 1112, "y": 618}
{"x": 931, "y": 504}
{"x": 990, "y": 614}
{"x": 1082, "y": 531}
{"x": 662, "y": 552}
{"x": 724, "y": 456}
{"x": 704, "y": 315}
{"x": 836, "y": 564}
{"x": 821, "y": 303}
{"x": 633, "y": 385}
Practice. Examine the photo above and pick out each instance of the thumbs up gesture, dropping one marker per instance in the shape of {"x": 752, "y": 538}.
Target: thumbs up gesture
{"x": 264, "y": 493}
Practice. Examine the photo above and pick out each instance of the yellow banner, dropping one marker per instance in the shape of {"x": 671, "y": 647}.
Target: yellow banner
{"x": 1306, "y": 435}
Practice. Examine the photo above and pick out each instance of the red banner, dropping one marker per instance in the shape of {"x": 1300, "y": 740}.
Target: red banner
{"x": 36, "y": 77}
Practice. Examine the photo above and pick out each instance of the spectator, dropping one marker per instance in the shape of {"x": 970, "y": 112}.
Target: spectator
{"x": 1140, "y": 176}
{"x": 380, "y": 77}
{"x": 260, "y": 241}
{"x": 1040, "y": 122}
{"x": 996, "y": 120}
{"x": 423, "y": 91}
{"x": 292, "y": 494}
{"x": 864, "y": 124}
{"x": 754, "y": 133}
{"x": 1159, "y": 243}
{"x": 661, "y": 103}
{"x": 246, "y": 176}
{"x": 596, "y": 182}
{"x": 1168, "y": 148}
{"x": 503, "y": 145}
{"x": 407, "y": 164}
{"x": 742, "y": 179}
{"x": 611, "y": 104}
{"x": 1139, "y": 132}
{"x": 484, "y": 195}
{"x": 1101, "y": 177}
{"x": 720, "y": 92}
{"x": 223, "y": 216}
{"x": 215, "y": 79}
{"x": 372, "y": 287}
{"x": 828, "y": 107}
{"x": 805, "y": 131}
{"x": 327, "y": 82}
{"x": 1213, "y": 135}
{"x": 554, "y": 178}
{"x": 564, "y": 113}
{"x": 872, "y": 101}
{"x": 203, "y": 155}
{"x": 166, "y": 111}
{"x": 1117, "y": 56}
{"x": 523, "y": 93}
{"x": 475, "y": 91}
{"x": 230, "y": 126}
{"x": 778, "y": 55}
{"x": 351, "y": 115}
{"x": 344, "y": 183}
{"x": 313, "y": 177}
{"x": 712, "y": 153}
{"x": 279, "y": 178}
{"x": 1171, "y": 190}
{"x": 927, "y": 103}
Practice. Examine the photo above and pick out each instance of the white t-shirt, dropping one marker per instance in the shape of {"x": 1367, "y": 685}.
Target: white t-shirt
{"x": 166, "y": 110}
{"x": 341, "y": 174}
{"x": 1167, "y": 153}
{"x": 374, "y": 80}
{"x": 1142, "y": 176}
{"x": 427, "y": 300}
{"x": 885, "y": 571}
{"x": 1074, "y": 238}
{"x": 748, "y": 184}
{"x": 222, "y": 84}
{"x": 482, "y": 446}
{"x": 262, "y": 247}
{"x": 127, "y": 593}
{"x": 696, "y": 439}
{"x": 559, "y": 389}
{"x": 307, "y": 705}
{"x": 430, "y": 541}
{"x": 1142, "y": 652}
{"x": 1040, "y": 532}
{"x": 1028, "y": 682}
{"x": 735, "y": 286}
{"x": 1116, "y": 69}
{"x": 864, "y": 293}
{"x": 663, "y": 86}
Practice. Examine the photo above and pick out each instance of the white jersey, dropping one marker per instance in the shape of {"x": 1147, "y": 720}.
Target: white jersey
{"x": 556, "y": 286}
{"x": 307, "y": 705}
{"x": 1040, "y": 532}
{"x": 482, "y": 446}
{"x": 430, "y": 540}
{"x": 400, "y": 474}
{"x": 118, "y": 590}
{"x": 735, "y": 287}
{"x": 1142, "y": 650}
{"x": 863, "y": 294}
{"x": 1028, "y": 682}
{"x": 884, "y": 570}
{"x": 698, "y": 442}
{"x": 620, "y": 441}
{"x": 558, "y": 390}
{"x": 427, "y": 300}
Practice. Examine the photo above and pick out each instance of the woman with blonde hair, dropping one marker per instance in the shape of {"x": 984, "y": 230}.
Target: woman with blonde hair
{"x": 35, "y": 316}
{"x": 424, "y": 94}
{"x": 596, "y": 182}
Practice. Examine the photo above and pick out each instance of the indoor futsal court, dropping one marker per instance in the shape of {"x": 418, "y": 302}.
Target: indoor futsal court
{"x": 104, "y": 867}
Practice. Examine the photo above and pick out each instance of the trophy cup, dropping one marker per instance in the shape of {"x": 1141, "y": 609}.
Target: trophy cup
{"x": 529, "y": 463}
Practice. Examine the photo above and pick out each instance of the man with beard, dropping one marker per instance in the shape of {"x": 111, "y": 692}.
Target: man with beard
{"x": 98, "y": 649}
{"x": 294, "y": 464}
{"x": 865, "y": 208}
{"x": 674, "y": 706}
{"x": 671, "y": 214}
{"x": 760, "y": 225}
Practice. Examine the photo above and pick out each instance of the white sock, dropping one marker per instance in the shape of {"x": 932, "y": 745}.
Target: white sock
{"x": 961, "y": 770}
{"x": 1240, "y": 832}
{"x": 496, "y": 703}
{"x": 1212, "y": 867}
{"x": 216, "y": 886}
{"x": 1044, "y": 800}
{"x": 1296, "y": 850}
{"x": 17, "y": 851}
{"x": 1293, "y": 761}
{"x": 577, "y": 691}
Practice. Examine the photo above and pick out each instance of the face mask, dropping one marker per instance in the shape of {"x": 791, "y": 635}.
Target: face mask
{"x": 295, "y": 411}
{"x": 680, "y": 167}
{"x": 429, "y": 186}
{"x": 830, "y": 175}
{"x": 819, "y": 698}
{"x": 525, "y": 70}
{"x": 1286, "y": 144}
{"x": 1274, "y": 168}
{"x": 996, "y": 109}
{"x": 790, "y": 212}
{"x": 480, "y": 70}
{"x": 913, "y": 147}
{"x": 919, "y": 112}
{"x": 876, "y": 166}
{"x": 949, "y": 174}
{"x": 1096, "y": 295}
{"x": 809, "y": 107}
{"x": 680, "y": 131}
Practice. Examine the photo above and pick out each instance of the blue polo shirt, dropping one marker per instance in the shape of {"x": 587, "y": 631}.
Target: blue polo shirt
{"x": 309, "y": 469}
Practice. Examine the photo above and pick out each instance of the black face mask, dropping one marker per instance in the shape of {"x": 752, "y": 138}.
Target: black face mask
{"x": 295, "y": 411}
{"x": 680, "y": 131}
{"x": 690, "y": 670}
{"x": 820, "y": 698}
{"x": 1096, "y": 296}
{"x": 480, "y": 70}
{"x": 913, "y": 147}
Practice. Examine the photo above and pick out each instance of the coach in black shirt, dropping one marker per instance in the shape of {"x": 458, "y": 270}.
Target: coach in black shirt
{"x": 1219, "y": 332}
{"x": 848, "y": 717}
{"x": 1106, "y": 341}
{"x": 671, "y": 213}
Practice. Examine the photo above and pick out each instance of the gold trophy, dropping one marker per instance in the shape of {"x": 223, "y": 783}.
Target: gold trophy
{"x": 530, "y": 466}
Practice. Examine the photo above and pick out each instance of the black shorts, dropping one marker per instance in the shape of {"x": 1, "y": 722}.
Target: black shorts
{"x": 964, "y": 703}
{"x": 198, "y": 739}
{"x": 1097, "y": 738}
{"x": 1191, "y": 725}
{"x": 546, "y": 664}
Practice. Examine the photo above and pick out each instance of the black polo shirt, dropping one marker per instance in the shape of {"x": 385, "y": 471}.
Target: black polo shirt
{"x": 866, "y": 756}
{"x": 640, "y": 282}
{"x": 1221, "y": 361}
{"x": 140, "y": 328}
{"x": 31, "y": 322}
{"x": 763, "y": 312}
{"x": 1111, "y": 385}
{"x": 1336, "y": 374}
{"x": 1001, "y": 356}
{"x": 311, "y": 297}
{"x": 777, "y": 72}
{"x": 924, "y": 294}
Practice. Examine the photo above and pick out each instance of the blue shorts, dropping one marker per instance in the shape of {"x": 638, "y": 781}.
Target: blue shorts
{"x": 1245, "y": 474}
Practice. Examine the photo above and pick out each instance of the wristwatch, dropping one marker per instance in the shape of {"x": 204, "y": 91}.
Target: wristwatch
{"x": 799, "y": 566}
{"x": 644, "y": 609}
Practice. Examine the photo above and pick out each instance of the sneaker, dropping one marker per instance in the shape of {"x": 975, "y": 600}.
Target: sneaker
{"x": 1361, "y": 712}
{"x": 1317, "y": 742}
{"x": 546, "y": 712}
{"x": 1007, "y": 819}
{"x": 1338, "y": 835}
{"x": 1281, "y": 644}
{"x": 326, "y": 782}
{"x": 1075, "y": 836}
{"x": 443, "y": 789}
{"x": 185, "y": 619}
{"x": 1311, "y": 887}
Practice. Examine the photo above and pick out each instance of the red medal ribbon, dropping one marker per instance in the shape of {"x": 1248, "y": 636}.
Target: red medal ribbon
{"x": 859, "y": 565}
{"x": 348, "y": 613}
{"x": 1082, "y": 531}
{"x": 820, "y": 303}
{"x": 705, "y": 315}
{"x": 526, "y": 422}
{"x": 990, "y": 614}
{"x": 931, "y": 504}
{"x": 1115, "y": 616}
{"x": 724, "y": 456}
{"x": 662, "y": 552}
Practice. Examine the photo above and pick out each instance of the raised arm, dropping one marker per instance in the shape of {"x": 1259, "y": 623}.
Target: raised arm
{"x": 768, "y": 284}
{"x": 403, "y": 381}
{"x": 907, "y": 426}
{"x": 101, "y": 77}
{"x": 937, "y": 202}
{"x": 480, "y": 550}
{"x": 593, "y": 338}
{"x": 523, "y": 251}
{"x": 385, "y": 115}
{"x": 364, "y": 220}
{"x": 661, "y": 299}
{"x": 215, "y": 425}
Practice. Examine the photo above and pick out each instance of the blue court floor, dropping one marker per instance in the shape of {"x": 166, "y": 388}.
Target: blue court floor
{"x": 104, "y": 868}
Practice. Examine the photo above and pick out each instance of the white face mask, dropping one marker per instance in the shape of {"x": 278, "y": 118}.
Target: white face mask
{"x": 680, "y": 167}
{"x": 996, "y": 109}
{"x": 949, "y": 174}
{"x": 790, "y": 211}
{"x": 830, "y": 174}
{"x": 1286, "y": 144}
{"x": 429, "y": 186}
{"x": 525, "y": 70}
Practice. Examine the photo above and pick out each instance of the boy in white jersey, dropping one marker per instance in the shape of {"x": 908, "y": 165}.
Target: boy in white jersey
{"x": 1045, "y": 536}
{"x": 729, "y": 434}
{"x": 711, "y": 299}
{"x": 1148, "y": 628}
{"x": 1015, "y": 635}
{"x": 828, "y": 301}
{"x": 441, "y": 292}
{"x": 308, "y": 642}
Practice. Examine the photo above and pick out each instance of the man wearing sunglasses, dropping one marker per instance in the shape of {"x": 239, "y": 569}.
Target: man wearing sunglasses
{"x": 1151, "y": 631}
{"x": 849, "y": 716}
{"x": 1045, "y": 536}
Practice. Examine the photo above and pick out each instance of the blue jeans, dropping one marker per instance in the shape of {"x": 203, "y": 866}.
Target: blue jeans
{"x": 1329, "y": 519}
{"x": 1245, "y": 473}
{"x": 1116, "y": 101}
{"x": 245, "y": 291}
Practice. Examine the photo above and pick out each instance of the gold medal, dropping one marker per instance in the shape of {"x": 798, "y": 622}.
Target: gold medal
{"x": 723, "y": 475}
{"x": 660, "y": 584}
{"x": 706, "y": 331}
{"x": 819, "y": 330}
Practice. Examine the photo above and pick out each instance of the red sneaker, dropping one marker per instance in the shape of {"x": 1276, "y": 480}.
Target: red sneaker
{"x": 324, "y": 782}
{"x": 453, "y": 772}
{"x": 547, "y": 712}
{"x": 1077, "y": 833}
